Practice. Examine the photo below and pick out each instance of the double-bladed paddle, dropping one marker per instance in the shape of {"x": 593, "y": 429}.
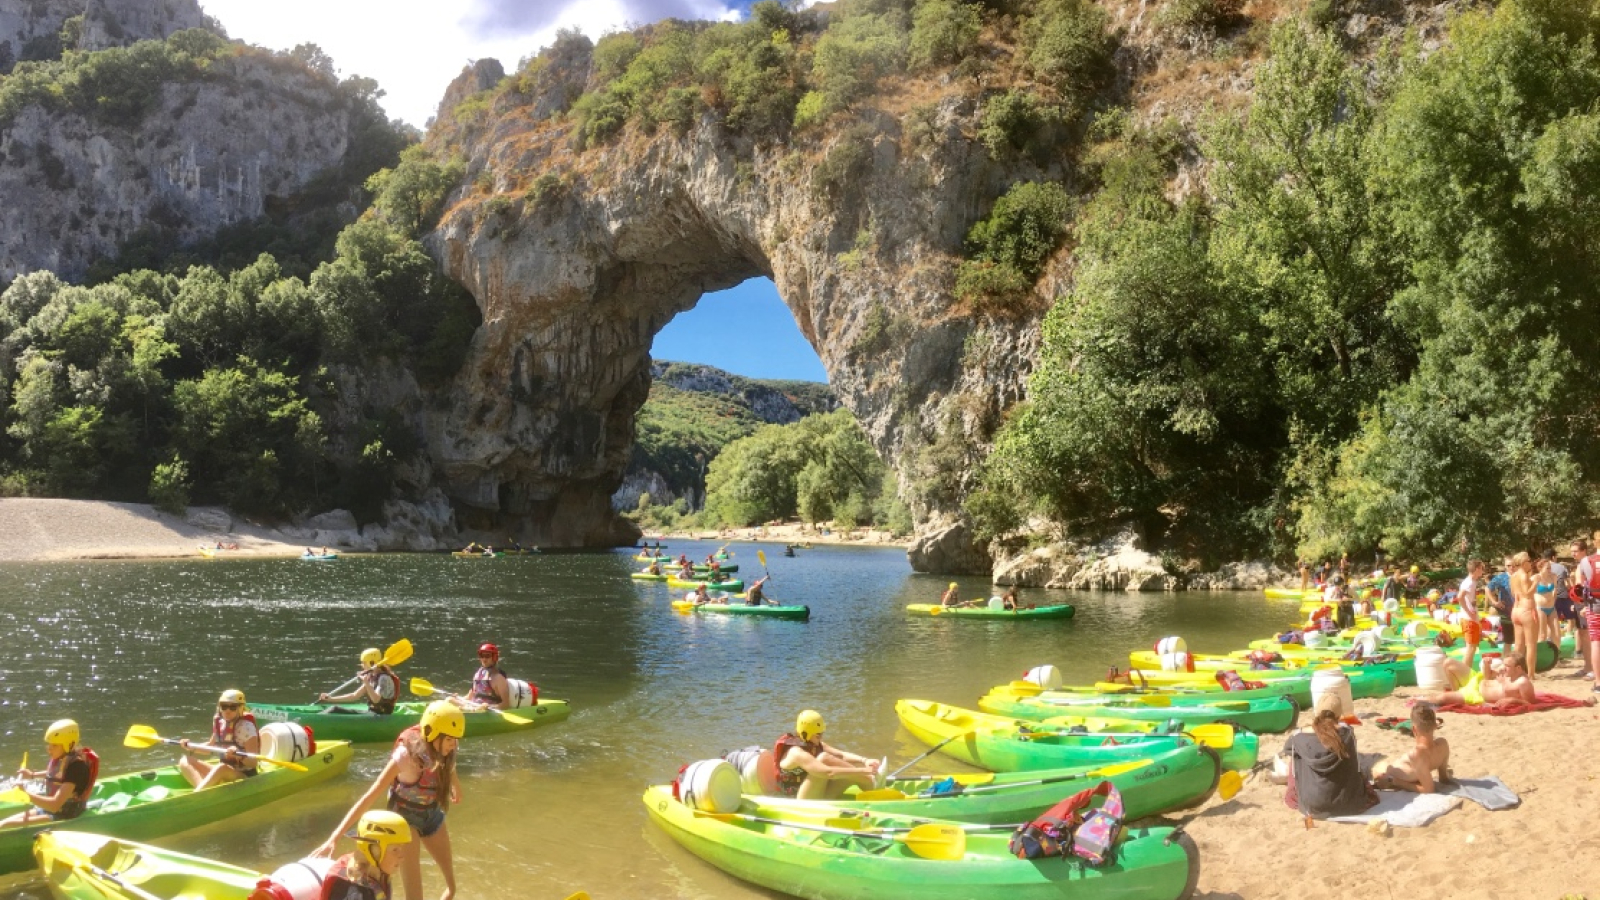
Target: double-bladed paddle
{"x": 981, "y": 782}
{"x": 141, "y": 737}
{"x": 931, "y": 841}
{"x": 398, "y": 652}
{"x": 422, "y": 687}
{"x": 927, "y": 753}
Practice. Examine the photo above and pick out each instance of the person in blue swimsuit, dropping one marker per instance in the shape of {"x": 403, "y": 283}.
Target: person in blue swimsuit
{"x": 1544, "y": 590}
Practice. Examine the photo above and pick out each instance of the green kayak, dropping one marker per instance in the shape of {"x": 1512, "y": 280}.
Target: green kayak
{"x": 80, "y": 866}
{"x": 1003, "y": 745}
{"x": 1266, "y": 715}
{"x": 1178, "y": 778}
{"x": 740, "y": 609}
{"x": 159, "y": 802}
{"x": 805, "y": 857}
{"x": 733, "y": 586}
{"x": 1061, "y": 611}
{"x": 1365, "y": 682}
{"x": 646, "y": 576}
{"x": 726, "y": 569}
{"x": 359, "y": 726}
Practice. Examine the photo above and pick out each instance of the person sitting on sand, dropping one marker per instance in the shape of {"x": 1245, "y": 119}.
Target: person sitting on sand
{"x": 1498, "y": 683}
{"x": 950, "y": 597}
{"x": 1414, "y": 771}
{"x": 1325, "y": 777}
{"x": 811, "y": 770}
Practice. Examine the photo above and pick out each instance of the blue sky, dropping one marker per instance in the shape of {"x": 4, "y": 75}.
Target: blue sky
{"x": 746, "y": 330}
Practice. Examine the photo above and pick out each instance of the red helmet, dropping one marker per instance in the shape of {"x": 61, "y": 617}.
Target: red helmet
{"x": 490, "y": 649}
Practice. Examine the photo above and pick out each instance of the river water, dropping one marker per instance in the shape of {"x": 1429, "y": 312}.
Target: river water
{"x": 556, "y": 810}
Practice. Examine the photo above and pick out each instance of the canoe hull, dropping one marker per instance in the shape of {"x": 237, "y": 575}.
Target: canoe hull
{"x": 358, "y": 726}
{"x": 61, "y": 856}
{"x": 798, "y": 613}
{"x": 1060, "y": 611}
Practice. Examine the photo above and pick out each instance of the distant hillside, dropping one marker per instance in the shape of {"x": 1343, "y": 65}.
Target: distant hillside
{"x": 693, "y": 412}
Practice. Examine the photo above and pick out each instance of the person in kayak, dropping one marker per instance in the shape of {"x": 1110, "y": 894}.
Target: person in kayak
{"x": 951, "y": 597}
{"x": 364, "y": 873}
{"x": 420, "y": 780}
{"x": 1415, "y": 770}
{"x": 809, "y": 769}
{"x": 378, "y": 685}
{"x": 699, "y": 596}
{"x": 68, "y": 779}
{"x": 655, "y": 568}
{"x": 1325, "y": 777}
{"x": 232, "y": 727}
{"x": 756, "y": 596}
{"x": 489, "y": 687}
{"x": 686, "y": 571}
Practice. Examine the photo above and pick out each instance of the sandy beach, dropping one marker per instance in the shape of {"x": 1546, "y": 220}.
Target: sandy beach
{"x": 1254, "y": 846}
{"x": 42, "y": 529}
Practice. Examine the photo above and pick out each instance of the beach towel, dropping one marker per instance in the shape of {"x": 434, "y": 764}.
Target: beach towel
{"x": 1542, "y": 702}
{"x": 1403, "y": 809}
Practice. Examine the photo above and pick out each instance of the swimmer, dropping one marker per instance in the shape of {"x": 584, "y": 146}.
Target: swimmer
{"x": 1415, "y": 770}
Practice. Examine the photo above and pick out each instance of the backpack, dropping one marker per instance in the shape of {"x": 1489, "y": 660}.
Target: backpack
{"x": 1071, "y": 828}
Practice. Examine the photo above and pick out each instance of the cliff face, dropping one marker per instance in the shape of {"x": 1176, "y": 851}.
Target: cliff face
{"x": 575, "y": 279}
{"x": 32, "y": 29}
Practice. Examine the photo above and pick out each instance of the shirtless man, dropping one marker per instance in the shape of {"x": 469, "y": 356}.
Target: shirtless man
{"x": 1414, "y": 771}
{"x": 1507, "y": 684}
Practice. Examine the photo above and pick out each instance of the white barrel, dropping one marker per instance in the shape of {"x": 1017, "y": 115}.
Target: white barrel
{"x": 758, "y": 773}
{"x": 709, "y": 784}
{"x": 1429, "y": 663}
{"x": 1391, "y": 605}
{"x": 1180, "y": 661}
{"x": 299, "y": 880}
{"x": 285, "y": 741}
{"x": 1172, "y": 645}
{"x": 1313, "y": 638}
{"x": 1047, "y": 677}
{"x": 1367, "y": 641}
{"x": 997, "y": 603}
{"x": 1419, "y": 629}
{"x": 1441, "y": 615}
{"x": 1332, "y": 680}
{"x": 523, "y": 694}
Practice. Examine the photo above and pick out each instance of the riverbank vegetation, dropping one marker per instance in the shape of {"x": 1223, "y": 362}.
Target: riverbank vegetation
{"x": 1374, "y": 328}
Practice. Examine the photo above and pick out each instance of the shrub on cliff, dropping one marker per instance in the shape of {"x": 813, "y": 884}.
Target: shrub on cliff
{"x": 1007, "y": 250}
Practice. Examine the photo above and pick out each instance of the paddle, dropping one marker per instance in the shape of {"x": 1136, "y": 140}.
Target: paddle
{"x": 932, "y": 841}
{"x": 398, "y": 652}
{"x": 929, "y": 752}
{"x": 141, "y": 737}
{"x": 84, "y": 865}
{"x": 1029, "y": 689}
{"x": 422, "y": 687}
{"x": 762, "y": 555}
{"x": 581, "y": 895}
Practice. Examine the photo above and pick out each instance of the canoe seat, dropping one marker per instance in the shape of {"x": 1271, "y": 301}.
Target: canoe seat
{"x": 152, "y": 794}
{"x": 114, "y": 802}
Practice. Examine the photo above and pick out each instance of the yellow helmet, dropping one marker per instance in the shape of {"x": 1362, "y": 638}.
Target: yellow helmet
{"x": 63, "y": 733}
{"x": 443, "y": 717}
{"x": 1415, "y": 570}
{"x": 809, "y": 726}
{"x": 232, "y": 696}
{"x": 371, "y": 656}
{"x": 377, "y": 831}
{"x": 952, "y": 586}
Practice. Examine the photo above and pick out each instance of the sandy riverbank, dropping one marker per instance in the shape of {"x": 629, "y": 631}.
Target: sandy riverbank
{"x": 791, "y": 533}
{"x": 39, "y": 529}
{"x": 1254, "y": 846}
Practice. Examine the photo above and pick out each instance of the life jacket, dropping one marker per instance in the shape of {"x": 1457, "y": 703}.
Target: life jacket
{"x": 1073, "y": 828}
{"x": 1233, "y": 681}
{"x": 345, "y": 881}
{"x": 52, "y": 775}
{"x": 1593, "y": 587}
{"x": 226, "y": 735}
{"x": 384, "y": 705}
{"x": 483, "y": 685}
{"x": 789, "y": 780}
{"x": 424, "y": 792}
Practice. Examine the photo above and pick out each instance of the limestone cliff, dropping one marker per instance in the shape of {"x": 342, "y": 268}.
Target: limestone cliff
{"x": 40, "y": 29}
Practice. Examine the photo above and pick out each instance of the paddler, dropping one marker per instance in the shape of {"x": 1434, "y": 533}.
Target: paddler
{"x": 377, "y": 684}
{"x": 232, "y": 727}
{"x": 755, "y": 596}
{"x": 420, "y": 780}
{"x": 68, "y": 779}
{"x": 811, "y": 770}
{"x": 951, "y": 597}
{"x": 655, "y": 568}
{"x": 364, "y": 873}
{"x": 489, "y": 686}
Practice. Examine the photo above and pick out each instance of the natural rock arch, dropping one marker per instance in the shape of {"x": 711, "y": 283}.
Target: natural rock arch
{"x": 577, "y": 262}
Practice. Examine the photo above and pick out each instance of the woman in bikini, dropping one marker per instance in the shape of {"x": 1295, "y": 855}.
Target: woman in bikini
{"x": 1525, "y": 614}
{"x": 1544, "y": 590}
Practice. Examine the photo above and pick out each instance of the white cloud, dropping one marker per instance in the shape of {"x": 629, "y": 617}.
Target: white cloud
{"x": 415, "y": 48}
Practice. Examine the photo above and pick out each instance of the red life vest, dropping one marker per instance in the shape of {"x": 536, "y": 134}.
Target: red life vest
{"x": 1593, "y": 587}
{"x": 226, "y": 735}
{"x": 385, "y": 705}
{"x": 789, "y": 780}
{"x": 73, "y": 808}
{"x": 483, "y": 685}
{"x": 424, "y": 792}
{"x": 345, "y": 881}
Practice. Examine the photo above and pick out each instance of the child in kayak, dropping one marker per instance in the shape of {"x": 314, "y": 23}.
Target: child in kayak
{"x": 68, "y": 778}
{"x": 364, "y": 873}
{"x": 811, "y": 770}
{"x": 420, "y": 780}
{"x": 232, "y": 727}
{"x": 378, "y": 685}
{"x": 951, "y": 597}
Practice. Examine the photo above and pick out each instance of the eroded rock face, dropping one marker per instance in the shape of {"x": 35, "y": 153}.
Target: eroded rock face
{"x": 575, "y": 280}
{"x": 32, "y": 29}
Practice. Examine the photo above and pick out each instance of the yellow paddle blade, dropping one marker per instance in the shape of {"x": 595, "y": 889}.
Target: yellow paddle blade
{"x": 24, "y": 760}
{"x": 1026, "y": 689}
{"x": 1120, "y": 768}
{"x": 1229, "y": 784}
{"x": 936, "y": 841}
{"x": 513, "y": 718}
{"x": 968, "y": 779}
{"x": 762, "y": 555}
{"x": 422, "y": 687}
{"x": 1217, "y": 737}
{"x": 935, "y": 610}
{"x": 581, "y": 895}
{"x": 15, "y": 795}
{"x": 398, "y": 652}
{"x": 880, "y": 794}
{"x": 141, "y": 736}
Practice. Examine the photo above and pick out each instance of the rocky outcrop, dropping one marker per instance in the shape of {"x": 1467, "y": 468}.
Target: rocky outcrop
{"x": 576, "y": 275}
{"x": 37, "y": 29}
{"x": 1118, "y": 564}
{"x": 208, "y": 153}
